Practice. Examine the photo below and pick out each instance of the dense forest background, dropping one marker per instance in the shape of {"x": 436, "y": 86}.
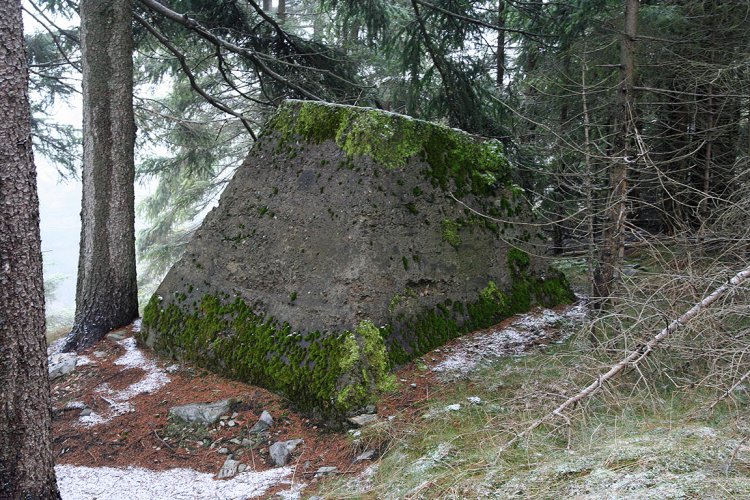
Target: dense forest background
{"x": 609, "y": 146}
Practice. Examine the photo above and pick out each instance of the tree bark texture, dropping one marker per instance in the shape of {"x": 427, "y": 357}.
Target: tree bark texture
{"x": 106, "y": 295}
{"x": 613, "y": 244}
{"x": 26, "y": 463}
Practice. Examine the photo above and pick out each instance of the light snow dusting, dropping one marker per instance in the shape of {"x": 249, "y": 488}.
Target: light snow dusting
{"x": 153, "y": 379}
{"x": 536, "y": 327}
{"x": 135, "y": 483}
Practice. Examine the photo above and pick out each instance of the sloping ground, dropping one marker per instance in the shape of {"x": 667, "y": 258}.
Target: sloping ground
{"x": 113, "y": 437}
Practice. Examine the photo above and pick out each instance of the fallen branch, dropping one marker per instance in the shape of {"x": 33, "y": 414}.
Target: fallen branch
{"x": 638, "y": 354}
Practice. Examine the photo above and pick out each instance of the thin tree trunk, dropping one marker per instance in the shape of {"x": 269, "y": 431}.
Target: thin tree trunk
{"x": 281, "y": 12}
{"x": 266, "y": 5}
{"x": 106, "y": 295}
{"x": 500, "y": 56}
{"x": 613, "y": 244}
{"x": 26, "y": 462}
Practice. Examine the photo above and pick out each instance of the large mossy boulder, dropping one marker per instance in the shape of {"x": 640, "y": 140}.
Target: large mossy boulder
{"x": 348, "y": 242}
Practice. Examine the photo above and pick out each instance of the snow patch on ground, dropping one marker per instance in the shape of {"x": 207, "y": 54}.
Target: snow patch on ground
{"x": 154, "y": 379}
{"x": 135, "y": 483}
{"x": 56, "y": 346}
{"x": 532, "y": 328}
{"x": 83, "y": 361}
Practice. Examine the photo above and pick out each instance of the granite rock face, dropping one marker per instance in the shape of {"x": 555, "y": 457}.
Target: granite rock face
{"x": 343, "y": 220}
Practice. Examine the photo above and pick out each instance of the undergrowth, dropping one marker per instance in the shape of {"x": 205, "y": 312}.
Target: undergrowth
{"x": 674, "y": 426}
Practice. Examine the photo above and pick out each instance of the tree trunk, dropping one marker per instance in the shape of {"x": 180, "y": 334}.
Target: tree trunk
{"x": 266, "y": 5}
{"x": 613, "y": 244}
{"x": 500, "y": 56}
{"x": 281, "y": 12}
{"x": 106, "y": 295}
{"x": 26, "y": 462}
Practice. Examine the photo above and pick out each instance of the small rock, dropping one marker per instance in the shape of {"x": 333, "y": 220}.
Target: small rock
{"x": 223, "y": 450}
{"x": 413, "y": 386}
{"x": 247, "y": 442}
{"x": 455, "y": 407}
{"x": 235, "y": 415}
{"x": 235, "y": 441}
{"x": 201, "y": 413}
{"x": 475, "y": 400}
{"x": 362, "y": 420}
{"x": 231, "y": 423}
{"x": 172, "y": 368}
{"x": 100, "y": 354}
{"x": 229, "y": 469}
{"x": 117, "y": 335}
{"x": 368, "y": 455}
{"x": 263, "y": 424}
{"x": 370, "y": 409}
{"x": 61, "y": 364}
{"x": 281, "y": 450}
{"x": 242, "y": 468}
{"x": 86, "y": 412}
{"x": 326, "y": 471}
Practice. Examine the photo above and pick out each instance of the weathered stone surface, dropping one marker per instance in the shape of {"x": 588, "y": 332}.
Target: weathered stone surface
{"x": 362, "y": 420}
{"x": 326, "y": 471}
{"x": 61, "y": 364}
{"x": 202, "y": 413}
{"x": 343, "y": 221}
{"x": 282, "y": 450}
{"x": 367, "y": 455}
{"x": 264, "y": 423}
{"x": 229, "y": 469}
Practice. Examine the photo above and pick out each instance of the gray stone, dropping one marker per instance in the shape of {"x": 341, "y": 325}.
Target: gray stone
{"x": 401, "y": 246}
{"x": 242, "y": 468}
{"x": 223, "y": 451}
{"x": 201, "y": 413}
{"x": 263, "y": 424}
{"x": 229, "y": 469}
{"x": 86, "y": 412}
{"x": 363, "y": 420}
{"x": 281, "y": 450}
{"x": 117, "y": 334}
{"x": 368, "y": 455}
{"x": 326, "y": 471}
{"x": 61, "y": 364}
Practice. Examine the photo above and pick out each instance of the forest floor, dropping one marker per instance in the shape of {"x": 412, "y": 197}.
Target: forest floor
{"x": 113, "y": 437}
{"x": 438, "y": 435}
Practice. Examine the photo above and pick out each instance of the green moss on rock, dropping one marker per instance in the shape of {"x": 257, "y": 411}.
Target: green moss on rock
{"x": 326, "y": 374}
{"x": 457, "y": 160}
{"x": 434, "y": 327}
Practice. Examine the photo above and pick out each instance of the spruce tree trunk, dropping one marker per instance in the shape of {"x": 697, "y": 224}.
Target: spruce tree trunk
{"x": 106, "y": 295}
{"x": 613, "y": 244}
{"x": 26, "y": 463}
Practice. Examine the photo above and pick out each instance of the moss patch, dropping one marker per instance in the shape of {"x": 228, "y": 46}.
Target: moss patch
{"x": 457, "y": 160}
{"x": 326, "y": 374}
{"x": 431, "y": 328}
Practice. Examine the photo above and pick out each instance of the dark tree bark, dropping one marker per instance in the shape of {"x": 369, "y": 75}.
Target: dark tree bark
{"x": 106, "y": 295}
{"x": 26, "y": 463}
{"x": 613, "y": 244}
